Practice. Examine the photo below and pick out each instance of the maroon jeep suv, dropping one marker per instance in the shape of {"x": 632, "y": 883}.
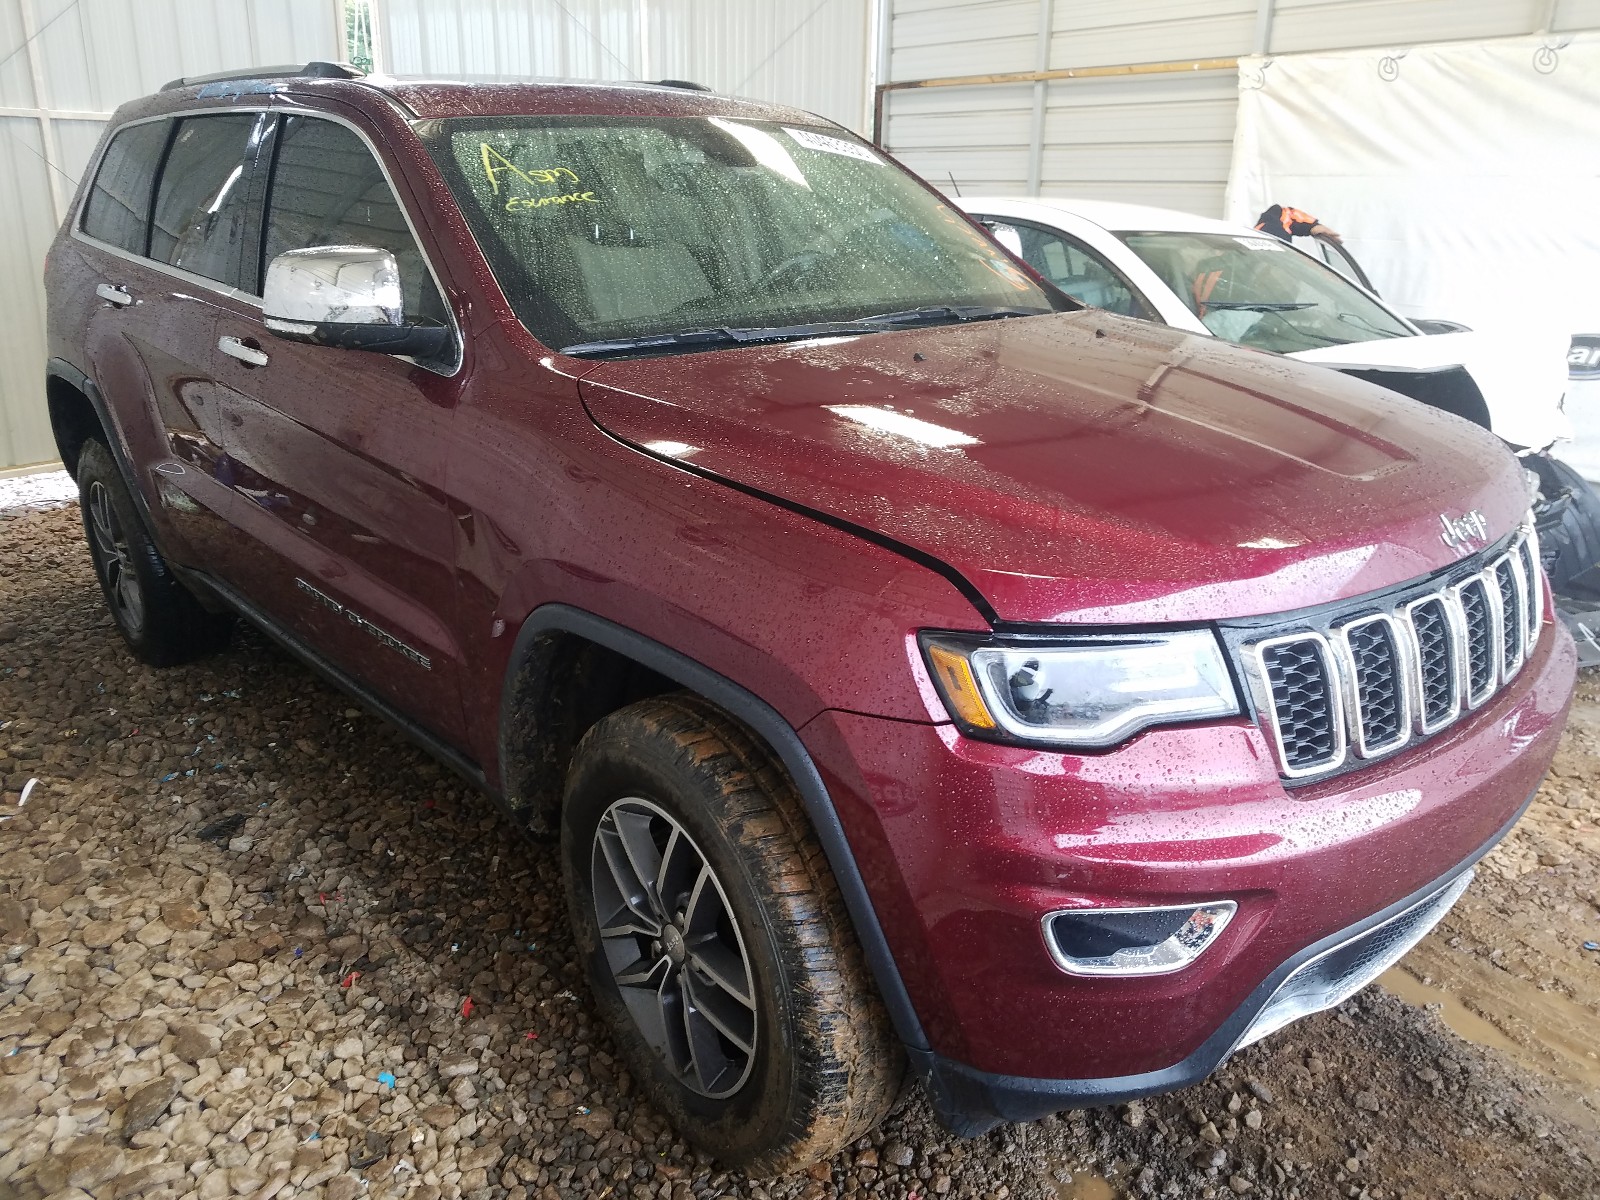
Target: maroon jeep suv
{"x": 918, "y": 668}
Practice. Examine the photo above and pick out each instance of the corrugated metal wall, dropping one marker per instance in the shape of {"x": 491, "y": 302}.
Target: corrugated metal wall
{"x": 64, "y": 66}
{"x": 812, "y": 55}
{"x": 1156, "y": 138}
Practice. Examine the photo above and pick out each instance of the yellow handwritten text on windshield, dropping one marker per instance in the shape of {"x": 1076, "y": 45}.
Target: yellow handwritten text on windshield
{"x": 524, "y": 204}
{"x": 496, "y": 164}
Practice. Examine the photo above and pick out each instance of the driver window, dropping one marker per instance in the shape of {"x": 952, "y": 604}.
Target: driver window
{"x": 1070, "y": 265}
{"x": 328, "y": 190}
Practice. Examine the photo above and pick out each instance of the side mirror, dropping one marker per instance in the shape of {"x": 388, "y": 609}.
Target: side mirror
{"x": 346, "y": 297}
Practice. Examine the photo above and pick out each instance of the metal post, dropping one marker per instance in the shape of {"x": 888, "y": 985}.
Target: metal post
{"x": 1041, "y": 63}
{"x": 1263, "y": 38}
{"x": 646, "y": 67}
{"x": 375, "y": 19}
{"x": 881, "y": 57}
{"x": 47, "y": 140}
{"x": 377, "y": 37}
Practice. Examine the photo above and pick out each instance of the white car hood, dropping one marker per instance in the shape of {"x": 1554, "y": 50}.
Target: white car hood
{"x": 1522, "y": 378}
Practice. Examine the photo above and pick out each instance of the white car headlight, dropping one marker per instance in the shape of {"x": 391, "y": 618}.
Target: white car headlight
{"x": 1091, "y": 692}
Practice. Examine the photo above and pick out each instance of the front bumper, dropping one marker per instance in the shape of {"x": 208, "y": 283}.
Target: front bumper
{"x": 1322, "y": 975}
{"x": 964, "y": 845}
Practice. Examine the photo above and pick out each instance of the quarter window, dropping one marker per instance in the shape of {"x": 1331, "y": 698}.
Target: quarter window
{"x": 204, "y": 219}
{"x": 117, "y": 208}
{"x": 328, "y": 190}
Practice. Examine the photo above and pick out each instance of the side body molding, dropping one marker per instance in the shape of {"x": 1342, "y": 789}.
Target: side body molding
{"x": 778, "y": 734}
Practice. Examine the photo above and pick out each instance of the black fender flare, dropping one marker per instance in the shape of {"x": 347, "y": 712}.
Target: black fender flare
{"x": 771, "y": 727}
{"x": 60, "y": 368}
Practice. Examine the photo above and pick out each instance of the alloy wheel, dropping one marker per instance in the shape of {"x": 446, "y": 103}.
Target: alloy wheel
{"x": 674, "y": 947}
{"x": 111, "y": 553}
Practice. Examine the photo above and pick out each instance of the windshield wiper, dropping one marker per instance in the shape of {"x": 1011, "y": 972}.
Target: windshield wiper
{"x": 721, "y": 335}
{"x": 730, "y": 335}
{"x": 935, "y": 314}
{"x": 1258, "y": 305}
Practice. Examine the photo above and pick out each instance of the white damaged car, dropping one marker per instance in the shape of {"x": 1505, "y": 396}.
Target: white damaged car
{"x": 1233, "y": 282}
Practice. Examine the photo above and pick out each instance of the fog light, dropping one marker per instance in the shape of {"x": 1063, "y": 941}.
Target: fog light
{"x": 1134, "y": 941}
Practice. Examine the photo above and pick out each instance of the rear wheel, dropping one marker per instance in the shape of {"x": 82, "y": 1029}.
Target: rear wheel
{"x": 157, "y": 616}
{"x": 716, "y": 942}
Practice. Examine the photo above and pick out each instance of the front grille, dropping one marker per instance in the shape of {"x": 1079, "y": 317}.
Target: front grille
{"x": 1385, "y": 672}
{"x": 1438, "y": 679}
{"x": 1511, "y": 623}
{"x": 1474, "y": 599}
{"x": 1377, "y": 673}
{"x": 1303, "y": 689}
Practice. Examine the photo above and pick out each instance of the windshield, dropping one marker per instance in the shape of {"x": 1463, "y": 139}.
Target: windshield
{"x": 1258, "y": 292}
{"x": 608, "y": 229}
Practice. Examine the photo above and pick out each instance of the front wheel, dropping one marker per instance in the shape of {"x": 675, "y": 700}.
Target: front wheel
{"x": 716, "y": 942}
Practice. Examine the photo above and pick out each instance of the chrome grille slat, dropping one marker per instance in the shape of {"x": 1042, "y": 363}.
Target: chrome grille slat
{"x": 1377, "y": 694}
{"x": 1477, "y": 600}
{"x": 1437, "y": 668}
{"x": 1512, "y": 610}
{"x": 1535, "y": 591}
{"x": 1308, "y": 719}
{"x": 1371, "y": 683}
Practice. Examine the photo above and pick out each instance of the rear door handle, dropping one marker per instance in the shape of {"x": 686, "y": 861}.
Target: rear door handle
{"x": 117, "y": 297}
{"x": 251, "y": 356}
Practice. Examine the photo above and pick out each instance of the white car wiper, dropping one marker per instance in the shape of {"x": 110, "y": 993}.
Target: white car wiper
{"x": 1258, "y": 305}
{"x": 936, "y": 314}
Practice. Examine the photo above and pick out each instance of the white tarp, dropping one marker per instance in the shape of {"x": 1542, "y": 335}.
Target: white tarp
{"x": 1465, "y": 178}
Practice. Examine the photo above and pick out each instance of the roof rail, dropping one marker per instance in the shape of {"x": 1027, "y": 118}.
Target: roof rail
{"x": 311, "y": 70}
{"x": 687, "y": 84}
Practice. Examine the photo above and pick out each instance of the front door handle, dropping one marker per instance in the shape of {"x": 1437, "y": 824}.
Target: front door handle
{"x": 117, "y": 297}
{"x": 250, "y": 356}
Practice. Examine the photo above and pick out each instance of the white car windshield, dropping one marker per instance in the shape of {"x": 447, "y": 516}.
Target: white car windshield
{"x": 1259, "y": 292}
{"x": 613, "y": 234}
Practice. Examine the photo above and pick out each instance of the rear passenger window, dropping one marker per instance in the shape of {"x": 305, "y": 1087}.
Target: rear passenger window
{"x": 203, "y": 216}
{"x": 328, "y": 190}
{"x": 118, "y": 205}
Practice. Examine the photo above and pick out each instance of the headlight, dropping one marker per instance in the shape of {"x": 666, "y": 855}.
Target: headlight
{"x": 1090, "y": 692}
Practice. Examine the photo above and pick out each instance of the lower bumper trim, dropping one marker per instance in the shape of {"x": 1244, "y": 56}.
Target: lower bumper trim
{"x": 1326, "y": 973}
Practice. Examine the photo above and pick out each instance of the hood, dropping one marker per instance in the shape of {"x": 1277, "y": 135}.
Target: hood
{"x": 1079, "y": 467}
{"x": 1522, "y": 375}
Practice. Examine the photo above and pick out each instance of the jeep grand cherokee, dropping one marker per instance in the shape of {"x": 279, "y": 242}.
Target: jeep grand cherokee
{"x": 918, "y": 668}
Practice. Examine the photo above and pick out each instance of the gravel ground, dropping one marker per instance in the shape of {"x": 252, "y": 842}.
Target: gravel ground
{"x": 255, "y": 944}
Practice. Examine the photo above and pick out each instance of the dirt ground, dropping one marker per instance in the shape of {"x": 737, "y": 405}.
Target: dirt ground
{"x": 254, "y": 943}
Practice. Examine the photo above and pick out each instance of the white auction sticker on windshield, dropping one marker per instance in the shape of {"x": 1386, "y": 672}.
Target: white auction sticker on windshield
{"x": 1261, "y": 243}
{"x": 812, "y": 140}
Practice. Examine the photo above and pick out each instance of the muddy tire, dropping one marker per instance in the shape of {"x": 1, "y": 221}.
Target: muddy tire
{"x": 1570, "y": 547}
{"x": 727, "y": 969}
{"x": 157, "y": 616}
